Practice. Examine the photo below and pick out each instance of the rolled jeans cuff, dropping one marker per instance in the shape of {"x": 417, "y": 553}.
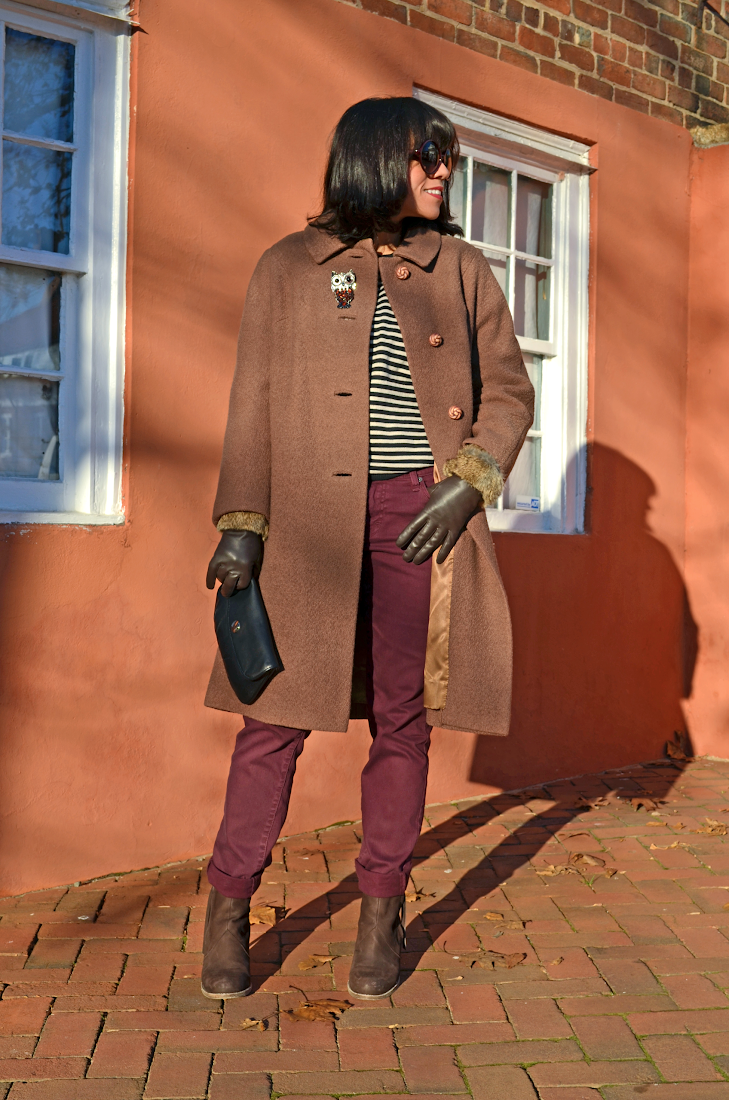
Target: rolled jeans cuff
{"x": 377, "y": 885}
{"x": 230, "y": 887}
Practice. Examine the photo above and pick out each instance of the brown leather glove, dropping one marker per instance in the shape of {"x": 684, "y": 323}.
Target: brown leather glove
{"x": 233, "y": 561}
{"x": 441, "y": 522}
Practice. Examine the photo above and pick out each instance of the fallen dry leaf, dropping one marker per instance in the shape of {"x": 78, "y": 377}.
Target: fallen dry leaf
{"x": 556, "y": 962}
{"x": 318, "y": 1010}
{"x": 263, "y": 914}
{"x": 311, "y": 961}
{"x": 507, "y": 962}
{"x": 675, "y": 752}
{"x": 571, "y": 836}
{"x": 559, "y": 869}
{"x": 656, "y": 824}
{"x": 508, "y": 926}
{"x": 491, "y": 915}
{"x": 643, "y": 803}
{"x": 711, "y": 828}
{"x": 579, "y": 866}
{"x": 577, "y": 858}
{"x": 251, "y": 1021}
{"x": 416, "y": 895}
{"x": 489, "y": 960}
{"x": 726, "y": 906}
{"x": 591, "y": 803}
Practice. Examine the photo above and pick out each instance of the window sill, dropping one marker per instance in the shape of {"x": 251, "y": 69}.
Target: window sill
{"x": 75, "y": 519}
{"x": 534, "y": 523}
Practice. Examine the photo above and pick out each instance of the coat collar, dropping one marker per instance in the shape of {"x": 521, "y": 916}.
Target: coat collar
{"x": 421, "y": 245}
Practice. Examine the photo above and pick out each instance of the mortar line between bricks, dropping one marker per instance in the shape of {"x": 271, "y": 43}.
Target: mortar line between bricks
{"x": 209, "y": 1082}
{"x": 147, "y": 907}
{"x": 102, "y": 1024}
{"x": 152, "y": 1052}
{"x": 462, "y": 1071}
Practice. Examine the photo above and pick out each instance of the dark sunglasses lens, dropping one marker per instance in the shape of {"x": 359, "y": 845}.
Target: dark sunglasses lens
{"x": 429, "y": 157}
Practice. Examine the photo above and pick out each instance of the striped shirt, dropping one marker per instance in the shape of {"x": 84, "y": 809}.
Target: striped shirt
{"x": 398, "y": 442}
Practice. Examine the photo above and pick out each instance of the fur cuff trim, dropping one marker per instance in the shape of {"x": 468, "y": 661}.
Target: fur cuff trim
{"x": 244, "y": 521}
{"x": 479, "y": 469}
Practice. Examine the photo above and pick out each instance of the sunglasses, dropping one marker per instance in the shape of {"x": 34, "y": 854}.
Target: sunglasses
{"x": 430, "y": 158}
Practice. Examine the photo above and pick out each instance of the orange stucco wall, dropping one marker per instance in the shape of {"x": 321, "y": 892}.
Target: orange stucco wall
{"x": 707, "y": 483}
{"x": 108, "y": 759}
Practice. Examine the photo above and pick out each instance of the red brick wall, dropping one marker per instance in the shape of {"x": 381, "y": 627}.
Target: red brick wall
{"x": 651, "y": 55}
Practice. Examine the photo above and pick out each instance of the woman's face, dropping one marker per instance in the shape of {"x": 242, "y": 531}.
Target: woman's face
{"x": 425, "y": 194}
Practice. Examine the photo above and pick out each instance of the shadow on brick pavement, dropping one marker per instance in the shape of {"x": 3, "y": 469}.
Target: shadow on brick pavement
{"x": 566, "y": 942}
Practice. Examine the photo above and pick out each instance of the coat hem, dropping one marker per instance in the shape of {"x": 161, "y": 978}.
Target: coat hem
{"x": 275, "y": 721}
{"x": 435, "y": 719}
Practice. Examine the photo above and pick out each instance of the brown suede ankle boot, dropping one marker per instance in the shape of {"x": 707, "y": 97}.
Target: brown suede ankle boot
{"x": 226, "y": 966}
{"x": 375, "y": 968}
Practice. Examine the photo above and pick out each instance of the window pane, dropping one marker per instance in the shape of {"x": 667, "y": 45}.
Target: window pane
{"x": 457, "y": 194}
{"x": 500, "y": 267}
{"x": 38, "y": 86}
{"x": 521, "y": 491}
{"x": 28, "y": 428}
{"x": 36, "y": 205}
{"x": 531, "y": 300}
{"x": 30, "y": 318}
{"x": 534, "y": 217}
{"x": 533, "y": 364}
{"x": 491, "y": 207}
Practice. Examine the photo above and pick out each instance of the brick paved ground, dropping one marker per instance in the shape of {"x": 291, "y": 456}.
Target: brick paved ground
{"x": 618, "y": 988}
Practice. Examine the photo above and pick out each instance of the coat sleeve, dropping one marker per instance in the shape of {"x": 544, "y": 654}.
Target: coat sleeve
{"x": 505, "y": 405}
{"x": 244, "y": 487}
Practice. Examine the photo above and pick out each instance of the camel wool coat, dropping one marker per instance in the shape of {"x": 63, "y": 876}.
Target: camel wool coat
{"x": 296, "y": 452}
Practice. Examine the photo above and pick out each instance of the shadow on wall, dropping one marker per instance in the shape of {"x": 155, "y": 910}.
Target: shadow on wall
{"x": 605, "y": 644}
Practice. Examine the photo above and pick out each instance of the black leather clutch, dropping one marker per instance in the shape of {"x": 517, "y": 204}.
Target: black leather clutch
{"x": 246, "y": 642}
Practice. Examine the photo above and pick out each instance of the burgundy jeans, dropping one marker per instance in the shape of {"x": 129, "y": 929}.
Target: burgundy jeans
{"x": 394, "y": 604}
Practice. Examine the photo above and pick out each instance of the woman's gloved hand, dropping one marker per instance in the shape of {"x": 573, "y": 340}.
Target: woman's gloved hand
{"x": 451, "y": 505}
{"x": 233, "y": 561}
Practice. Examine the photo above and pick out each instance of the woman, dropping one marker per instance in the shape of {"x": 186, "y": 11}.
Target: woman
{"x": 379, "y": 402}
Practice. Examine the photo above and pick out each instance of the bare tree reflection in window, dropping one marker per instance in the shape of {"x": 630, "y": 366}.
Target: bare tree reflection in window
{"x": 38, "y": 86}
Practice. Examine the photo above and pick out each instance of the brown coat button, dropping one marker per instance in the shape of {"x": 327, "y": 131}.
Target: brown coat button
{"x": 455, "y": 413}
{"x": 435, "y": 340}
{"x": 402, "y": 272}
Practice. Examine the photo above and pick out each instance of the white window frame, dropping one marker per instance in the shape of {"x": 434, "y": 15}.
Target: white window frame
{"x": 92, "y": 305}
{"x": 564, "y": 163}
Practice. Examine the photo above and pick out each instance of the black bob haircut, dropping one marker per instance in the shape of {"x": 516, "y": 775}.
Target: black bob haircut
{"x": 366, "y": 177}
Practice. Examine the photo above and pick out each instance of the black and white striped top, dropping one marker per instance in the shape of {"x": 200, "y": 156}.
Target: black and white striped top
{"x": 398, "y": 442}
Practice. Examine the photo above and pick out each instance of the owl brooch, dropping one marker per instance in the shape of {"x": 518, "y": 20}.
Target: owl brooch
{"x": 344, "y": 284}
